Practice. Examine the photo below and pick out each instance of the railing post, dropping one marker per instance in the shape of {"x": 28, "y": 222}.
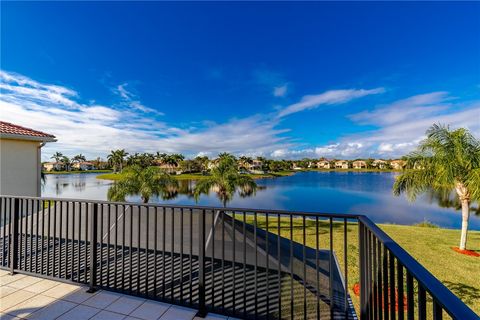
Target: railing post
{"x": 14, "y": 217}
{"x": 201, "y": 265}
{"x": 93, "y": 248}
{"x": 363, "y": 270}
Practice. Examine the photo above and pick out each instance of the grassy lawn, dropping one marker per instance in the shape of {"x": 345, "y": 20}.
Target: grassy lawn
{"x": 77, "y": 171}
{"x": 430, "y": 246}
{"x": 199, "y": 176}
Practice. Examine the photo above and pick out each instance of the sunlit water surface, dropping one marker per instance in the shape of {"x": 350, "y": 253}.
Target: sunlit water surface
{"x": 333, "y": 192}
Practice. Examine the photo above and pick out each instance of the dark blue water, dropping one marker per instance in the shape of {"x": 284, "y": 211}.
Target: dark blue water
{"x": 366, "y": 193}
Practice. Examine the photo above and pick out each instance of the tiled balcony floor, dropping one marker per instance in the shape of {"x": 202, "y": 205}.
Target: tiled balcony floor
{"x": 26, "y": 297}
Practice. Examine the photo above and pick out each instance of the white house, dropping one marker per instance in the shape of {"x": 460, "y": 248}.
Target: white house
{"x": 380, "y": 164}
{"x": 53, "y": 166}
{"x": 341, "y": 164}
{"x": 359, "y": 164}
{"x": 20, "y": 159}
{"x": 397, "y": 164}
{"x": 324, "y": 164}
{"x": 84, "y": 165}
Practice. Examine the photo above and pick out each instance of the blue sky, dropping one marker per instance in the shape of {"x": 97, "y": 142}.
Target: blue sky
{"x": 284, "y": 80}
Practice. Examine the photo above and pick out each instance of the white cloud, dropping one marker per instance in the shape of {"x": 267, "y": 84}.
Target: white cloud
{"x": 280, "y": 91}
{"x": 328, "y": 98}
{"x": 401, "y": 125}
{"x": 95, "y": 129}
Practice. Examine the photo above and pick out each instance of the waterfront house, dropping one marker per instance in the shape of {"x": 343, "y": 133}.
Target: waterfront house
{"x": 255, "y": 167}
{"x": 53, "y": 166}
{"x": 324, "y": 164}
{"x": 398, "y": 164}
{"x": 84, "y": 166}
{"x": 380, "y": 164}
{"x": 341, "y": 164}
{"x": 20, "y": 159}
{"x": 171, "y": 168}
{"x": 359, "y": 164}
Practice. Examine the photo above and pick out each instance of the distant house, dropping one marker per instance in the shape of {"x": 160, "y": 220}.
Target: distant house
{"x": 53, "y": 166}
{"x": 256, "y": 166}
{"x": 84, "y": 166}
{"x": 168, "y": 167}
{"x": 380, "y": 164}
{"x": 296, "y": 167}
{"x": 20, "y": 159}
{"x": 324, "y": 164}
{"x": 398, "y": 164}
{"x": 341, "y": 164}
{"x": 359, "y": 164}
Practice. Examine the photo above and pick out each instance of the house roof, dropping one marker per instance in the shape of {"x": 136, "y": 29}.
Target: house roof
{"x": 13, "y": 131}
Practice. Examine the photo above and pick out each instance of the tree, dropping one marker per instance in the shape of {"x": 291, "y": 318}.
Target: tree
{"x": 244, "y": 162}
{"x": 116, "y": 159}
{"x": 146, "y": 182}
{"x": 225, "y": 180}
{"x": 57, "y": 156}
{"x": 445, "y": 161}
{"x": 79, "y": 158}
{"x": 66, "y": 162}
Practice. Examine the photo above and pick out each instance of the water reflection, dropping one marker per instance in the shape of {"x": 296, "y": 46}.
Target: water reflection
{"x": 346, "y": 192}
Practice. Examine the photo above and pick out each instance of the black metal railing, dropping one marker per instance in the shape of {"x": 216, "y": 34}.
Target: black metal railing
{"x": 259, "y": 264}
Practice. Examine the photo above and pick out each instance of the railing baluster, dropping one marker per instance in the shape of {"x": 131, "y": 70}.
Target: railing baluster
{"x": 279, "y": 262}
{"x": 93, "y": 248}
{"x": 291, "y": 268}
{"x": 256, "y": 260}
{"x": 181, "y": 255}
{"x": 223, "y": 261}
{"x": 422, "y": 303}
{"x": 190, "y": 269}
{"x": 400, "y": 290}
{"x": 304, "y": 260}
{"x": 317, "y": 271}
{"x": 139, "y": 239}
{"x": 374, "y": 278}
{"x": 233, "y": 262}
{"x": 267, "y": 271}
{"x": 379, "y": 280}
{"x": 147, "y": 266}
{"x": 164, "y": 251}
{"x": 14, "y": 236}
{"x": 244, "y": 267}
{"x": 155, "y": 276}
{"x": 392, "y": 286}
{"x": 345, "y": 261}
{"x": 385, "y": 284}
{"x": 172, "y": 257}
{"x": 362, "y": 267}
{"x": 437, "y": 310}
{"x": 109, "y": 227}
{"x": 201, "y": 265}
{"x": 410, "y": 298}
{"x": 115, "y": 249}
{"x": 212, "y": 258}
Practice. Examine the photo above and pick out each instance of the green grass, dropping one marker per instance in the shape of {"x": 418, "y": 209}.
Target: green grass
{"x": 430, "y": 246}
{"x": 76, "y": 171}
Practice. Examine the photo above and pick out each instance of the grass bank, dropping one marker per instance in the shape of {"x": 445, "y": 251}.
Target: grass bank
{"x": 199, "y": 176}
{"x": 77, "y": 171}
{"x": 430, "y": 246}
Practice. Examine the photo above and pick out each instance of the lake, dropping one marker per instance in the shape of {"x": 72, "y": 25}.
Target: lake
{"x": 368, "y": 193}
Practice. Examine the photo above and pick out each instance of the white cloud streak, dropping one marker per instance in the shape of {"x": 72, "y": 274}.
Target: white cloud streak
{"x": 328, "y": 98}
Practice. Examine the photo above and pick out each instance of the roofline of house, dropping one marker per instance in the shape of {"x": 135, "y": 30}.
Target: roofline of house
{"x": 26, "y": 137}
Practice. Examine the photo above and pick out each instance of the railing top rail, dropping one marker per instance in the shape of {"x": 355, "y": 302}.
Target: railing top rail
{"x": 252, "y": 210}
{"x": 449, "y": 301}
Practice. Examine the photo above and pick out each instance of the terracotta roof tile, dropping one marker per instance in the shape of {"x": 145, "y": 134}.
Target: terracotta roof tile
{"x": 9, "y": 128}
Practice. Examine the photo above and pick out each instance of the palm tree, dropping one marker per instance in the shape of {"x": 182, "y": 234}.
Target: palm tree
{"x": 225, "y": 180}
{"x": 445, "y": 161}
{"x": 244, "y": 162}
{"x": 116, "y": 158}
{"x": 146, "y": 182}
{"x": 79, "y": 158}
{"x": 57, "y": 156}
{"x": 66, "y": 162}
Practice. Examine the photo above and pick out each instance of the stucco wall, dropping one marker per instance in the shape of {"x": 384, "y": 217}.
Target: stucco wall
{"x": 19, "y": 167}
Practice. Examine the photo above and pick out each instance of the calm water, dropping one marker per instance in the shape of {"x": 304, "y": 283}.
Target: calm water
{"x": 340, "y": 192}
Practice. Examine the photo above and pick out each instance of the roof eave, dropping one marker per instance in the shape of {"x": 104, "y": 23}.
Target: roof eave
{"x": 25, "y": 137}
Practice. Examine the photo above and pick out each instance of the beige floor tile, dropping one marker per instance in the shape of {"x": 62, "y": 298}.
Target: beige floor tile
{"x": 42, "y": 286}
{"x": 5, "y": 291}
{"x": 179, "y": 313}
{"x": 15, "y": 298}
{"x": 29, "y": 306}
{"x": 69, "y": 292}
{"x": 4, "y": 272}
{"x": 80, "y": 312}
{"x": 24, "y": 282}
{"x": 53, "y": 310}
{"x": 5, "y": 280}
{"x": 150, "y": 310}
{"x": 102, "y": 299}
{"x": 125, "y": 305}
{"x": 107, "y": 315}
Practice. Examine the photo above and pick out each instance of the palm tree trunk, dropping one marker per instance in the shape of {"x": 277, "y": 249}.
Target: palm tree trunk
{"x": 465, "y": 216}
